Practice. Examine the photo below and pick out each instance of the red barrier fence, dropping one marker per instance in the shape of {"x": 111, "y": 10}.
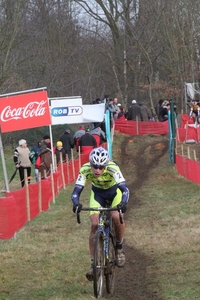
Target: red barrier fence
{"x": 20, "y": 206}
{"x": 140, "y": 127}
{"x": 188, "y": 168}
{"x": 188, "y": 130}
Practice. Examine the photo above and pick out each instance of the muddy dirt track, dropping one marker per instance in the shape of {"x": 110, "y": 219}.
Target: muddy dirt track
{"x": 131, "y": 281}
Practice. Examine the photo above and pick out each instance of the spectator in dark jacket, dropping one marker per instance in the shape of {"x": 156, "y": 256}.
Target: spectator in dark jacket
{"x": 112, "y": 111}
{"x": 158, "y": 107}
{"x": 146, "y": 113}
{"x": 99, "y": 135}
{"x": 87, "y": 142}
{"x": 46, "y": 161}
{"x": 134, "y": 111}
{"x": 78, "y": 134}
{"x": 163, "y": 115}
{"x": 60, "y": 151}
{"x": 47, "y": 141}
{"x": 34, "y": 155}
{"x": 68, "y": 142}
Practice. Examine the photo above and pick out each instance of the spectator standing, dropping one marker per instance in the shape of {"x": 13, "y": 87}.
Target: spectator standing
{"x": 106, "y": 100}
{"x": 95, "y": 124}
{"x": 47, "y": 141}
{"x": 158, "y": 108}
{"x": 87, "y": 142}
{"x": 77, "y": 135}
{"x": 34, "y": 155}
{"x": 99, "y": 135}
{"x": 116, "y": 107}
{"x": 134, "y": 111}
{"x": 98, "y": 101}
{"x": 67, "y": 142}
{"x": 163, "y": 115}
{"x": 46, "y": 160}
{"x": 60, "y": 149}
{"x": 111, "y": 109}
{"x": 22, "y": 160}
{"x": 146, "y": 113}
{"x": 121, "y": 114}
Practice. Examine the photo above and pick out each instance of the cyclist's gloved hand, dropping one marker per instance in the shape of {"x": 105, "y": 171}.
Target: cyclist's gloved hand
{"x": 121, "y": 206}
{"x": 77, "y": 208}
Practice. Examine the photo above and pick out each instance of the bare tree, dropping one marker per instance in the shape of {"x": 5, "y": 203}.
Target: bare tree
{"x": 9, "y": 40}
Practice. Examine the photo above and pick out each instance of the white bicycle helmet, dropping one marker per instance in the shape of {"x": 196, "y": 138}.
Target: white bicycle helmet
{"x": 99, "y": 156}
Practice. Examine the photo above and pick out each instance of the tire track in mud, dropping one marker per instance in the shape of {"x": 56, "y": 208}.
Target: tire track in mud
{"x": 140, "y": 166}
{"x": 131, "y": 281}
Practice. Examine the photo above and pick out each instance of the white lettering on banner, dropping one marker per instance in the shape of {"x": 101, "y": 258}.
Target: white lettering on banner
{"x": 66, "y": 111}
{"x": 32, "y": 109}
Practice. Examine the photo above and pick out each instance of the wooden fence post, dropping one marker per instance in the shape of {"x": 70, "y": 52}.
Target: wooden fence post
{"x": 137, "y": 126}
{"x": 39, "y": 192}
{"x": 68, "y": 177}
{"x": 27, "y": 196}
{"x": 52, "y": 185}
{"x": 62, "y": 171}
{"x": 72, "y": 160}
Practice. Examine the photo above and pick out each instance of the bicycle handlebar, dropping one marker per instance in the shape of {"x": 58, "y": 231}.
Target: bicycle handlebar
{"x": 99, "y": 209}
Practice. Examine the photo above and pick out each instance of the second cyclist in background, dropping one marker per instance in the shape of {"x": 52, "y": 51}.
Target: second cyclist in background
{"x": 108, "y": 183}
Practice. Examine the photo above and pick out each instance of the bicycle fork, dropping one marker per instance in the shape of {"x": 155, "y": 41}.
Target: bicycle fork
{"x": 108, "y": 245}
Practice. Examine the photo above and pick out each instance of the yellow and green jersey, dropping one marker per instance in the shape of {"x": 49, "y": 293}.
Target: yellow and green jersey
{"x": 110, "y": 176}
{"x": 110, "y": 180}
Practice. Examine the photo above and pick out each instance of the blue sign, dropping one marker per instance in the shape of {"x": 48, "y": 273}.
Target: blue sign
{"x": 66, "y": 111}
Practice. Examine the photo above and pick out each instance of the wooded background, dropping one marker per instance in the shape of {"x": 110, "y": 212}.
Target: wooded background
{"x": 131, "y": 49}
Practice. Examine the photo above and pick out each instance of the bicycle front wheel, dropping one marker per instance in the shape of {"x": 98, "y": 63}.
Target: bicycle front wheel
{"x": 110, "y": 264}
{"x": 98, "y": 266}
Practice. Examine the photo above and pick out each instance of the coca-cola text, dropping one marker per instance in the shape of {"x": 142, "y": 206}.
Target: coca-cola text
{"x": 32, "y": 109}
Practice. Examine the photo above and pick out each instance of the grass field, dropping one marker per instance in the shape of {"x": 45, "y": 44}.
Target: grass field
{"x": 49, "y": 257}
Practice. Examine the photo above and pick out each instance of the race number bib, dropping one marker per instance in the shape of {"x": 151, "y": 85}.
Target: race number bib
{"x": 81, "y": 180}
{"x": 119, "y": 177}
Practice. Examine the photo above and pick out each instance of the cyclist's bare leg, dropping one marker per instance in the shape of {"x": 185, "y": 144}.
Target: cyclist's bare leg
{"x": 119, "y": 228}
{"x": 119, "y": 232}
{"x": 94, "y": 224}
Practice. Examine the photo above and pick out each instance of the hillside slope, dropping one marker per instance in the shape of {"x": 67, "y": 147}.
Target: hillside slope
{"x": 155, "y": 211}
{"x": 48, "y": 258}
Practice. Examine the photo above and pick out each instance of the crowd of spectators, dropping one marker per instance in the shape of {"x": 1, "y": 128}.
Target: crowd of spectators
{"x": 85, "y": 139}
{"x": 162, "y": 108}
{"x": 136, "y": 111}
{"x": 41, "y": 154}
{"x": 139, "y": 111}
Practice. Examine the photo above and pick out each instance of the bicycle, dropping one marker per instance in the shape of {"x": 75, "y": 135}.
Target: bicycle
{"x": 104, "y": 251}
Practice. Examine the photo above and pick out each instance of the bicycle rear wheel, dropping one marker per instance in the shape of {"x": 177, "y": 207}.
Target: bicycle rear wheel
{"x": 98, "y": 266}
{"x": 110, "y": 270}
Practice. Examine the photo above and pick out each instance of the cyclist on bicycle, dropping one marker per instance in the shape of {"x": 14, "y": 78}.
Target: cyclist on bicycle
{"x": 108, "y": 183}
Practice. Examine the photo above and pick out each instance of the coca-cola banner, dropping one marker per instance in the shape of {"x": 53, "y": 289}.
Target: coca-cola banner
{"x": 23, "y": 111}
